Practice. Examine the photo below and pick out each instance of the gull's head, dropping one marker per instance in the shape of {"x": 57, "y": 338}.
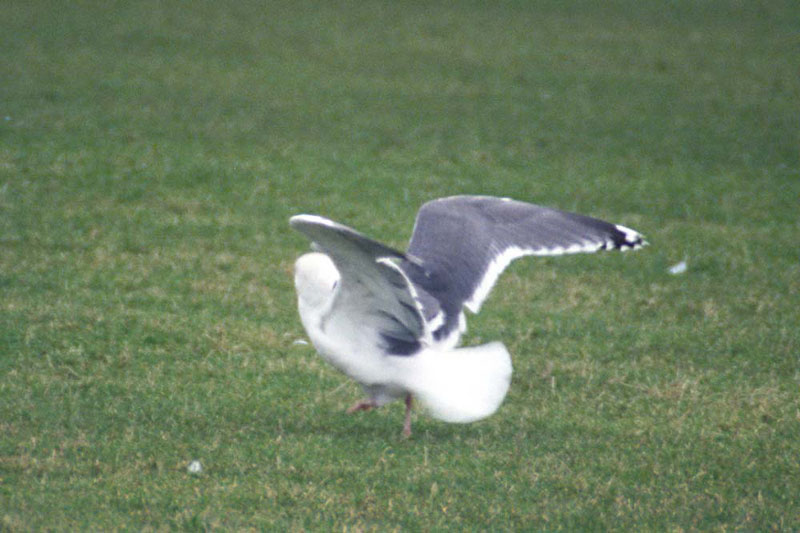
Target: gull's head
{"x": 315, "y": 278}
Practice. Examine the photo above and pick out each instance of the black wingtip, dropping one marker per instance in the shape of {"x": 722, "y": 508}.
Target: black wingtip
{"x": 625, "y": 239}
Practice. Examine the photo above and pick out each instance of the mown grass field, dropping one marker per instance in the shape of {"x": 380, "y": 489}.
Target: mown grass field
{"x": 152, "y": 152}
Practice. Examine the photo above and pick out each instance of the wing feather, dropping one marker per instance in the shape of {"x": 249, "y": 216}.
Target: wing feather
{"x": 464, "y": 243}
{"x": 373, "y": 290}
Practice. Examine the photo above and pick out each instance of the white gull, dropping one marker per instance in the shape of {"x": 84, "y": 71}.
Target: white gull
{"x": 392, "y": 320}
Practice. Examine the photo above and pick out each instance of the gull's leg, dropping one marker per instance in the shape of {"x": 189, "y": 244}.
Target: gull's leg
{"x": 362, "y": 405}
{"x": 407, "y": 423}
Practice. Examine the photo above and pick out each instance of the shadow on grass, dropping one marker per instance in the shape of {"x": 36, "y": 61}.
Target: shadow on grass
{"x": 385, "y": 424}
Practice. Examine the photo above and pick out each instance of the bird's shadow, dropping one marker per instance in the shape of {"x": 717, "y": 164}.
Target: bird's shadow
{"x": 383, "y": 424}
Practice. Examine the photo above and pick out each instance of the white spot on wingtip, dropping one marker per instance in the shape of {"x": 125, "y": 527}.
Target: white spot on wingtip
{"x": 630, "y": 235}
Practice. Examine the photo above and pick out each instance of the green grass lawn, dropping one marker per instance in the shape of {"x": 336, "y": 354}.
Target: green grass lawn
{"x": 152, "y": 152}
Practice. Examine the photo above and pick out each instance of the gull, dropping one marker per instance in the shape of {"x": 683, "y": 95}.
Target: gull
{"x": 392, "y": 321}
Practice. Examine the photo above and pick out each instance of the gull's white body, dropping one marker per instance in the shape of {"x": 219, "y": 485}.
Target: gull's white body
{"x": 455, "y": 385}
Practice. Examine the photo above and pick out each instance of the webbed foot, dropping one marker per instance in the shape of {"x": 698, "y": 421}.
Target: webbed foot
{"x": 362, "y": 405}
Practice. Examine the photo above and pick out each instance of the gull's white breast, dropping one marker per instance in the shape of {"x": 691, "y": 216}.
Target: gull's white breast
{"x": 340, "y": 337}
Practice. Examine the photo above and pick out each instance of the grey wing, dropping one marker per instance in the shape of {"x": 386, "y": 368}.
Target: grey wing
{"x": 373, "y": 289}
{"x": 464, "y": 243}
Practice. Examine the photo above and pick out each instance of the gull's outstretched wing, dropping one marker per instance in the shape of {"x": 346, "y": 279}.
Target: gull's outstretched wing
{"x": 463, "y": 243}
{"x": 373, "y": 290}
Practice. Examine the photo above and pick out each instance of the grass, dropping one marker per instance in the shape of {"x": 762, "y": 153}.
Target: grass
{"x": 152, "y": 152}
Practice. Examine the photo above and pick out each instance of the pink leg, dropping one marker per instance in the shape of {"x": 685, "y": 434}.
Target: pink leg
{"x": 407, "y": 423}
{"x": 363, "y": 405}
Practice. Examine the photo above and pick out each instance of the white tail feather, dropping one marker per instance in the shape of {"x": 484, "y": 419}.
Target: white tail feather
{"x": 462, "y": 385}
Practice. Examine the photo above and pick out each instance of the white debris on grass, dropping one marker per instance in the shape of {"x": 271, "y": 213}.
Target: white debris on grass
{"x": 300, "y": 342}
{"x": 678, "y": 268}
{"x": 194, "y": 467}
